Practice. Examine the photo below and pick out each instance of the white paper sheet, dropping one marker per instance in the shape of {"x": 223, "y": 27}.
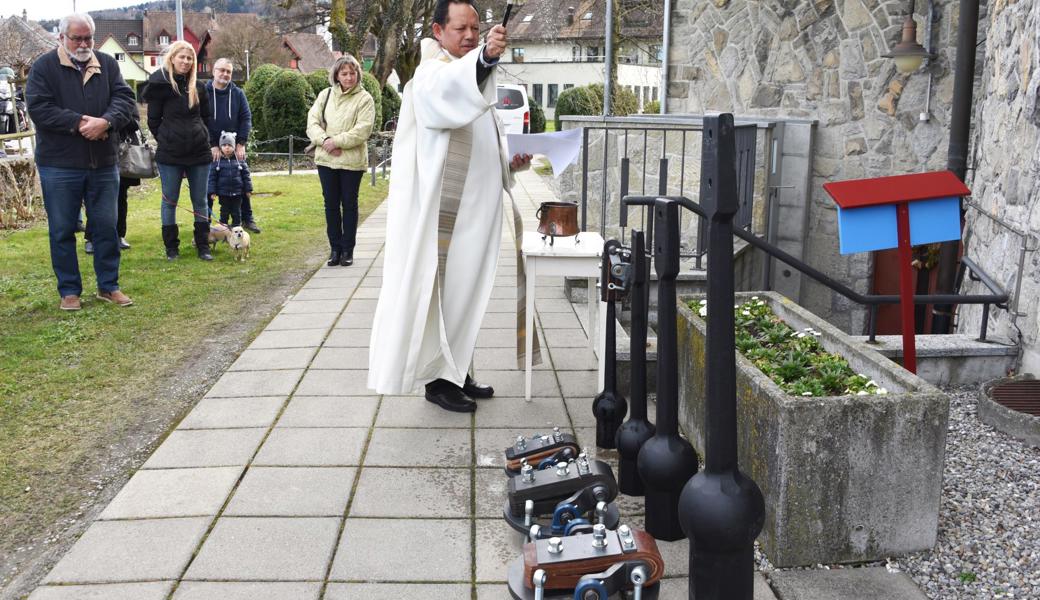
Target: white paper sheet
{"x": 561, "y": 148}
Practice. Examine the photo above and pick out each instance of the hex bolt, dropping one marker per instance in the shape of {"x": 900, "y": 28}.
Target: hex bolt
{"x": 527, "y": 474}
{"x": 534, "y": 533}
{"x": 539, "y": 584}
{"x": 555, "y": 545}
{"x": 562, "y": 469}
{"x": 625, "y": 535}
{"x": 557, "y": 436}
{"x": 521, "y": 443}
{"x": 599, "y": 536}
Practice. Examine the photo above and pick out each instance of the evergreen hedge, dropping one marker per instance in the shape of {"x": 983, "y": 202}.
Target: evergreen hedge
{"x": 318, "y": 81}
{"x": 537, "y": 117}
{"x": 286, "y": 102}
{"x": 391, "y": 105}
{"x": 588, "y": 100}
{"x": 255, "y": 89}
{"x": 371, "y": 85}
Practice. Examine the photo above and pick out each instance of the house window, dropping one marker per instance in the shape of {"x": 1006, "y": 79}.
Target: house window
{"x": 120, "y": 57}
{"x": 592, "y": 54}
{"x": 518, "y": 55}
{"x": 164, "y": 39}
{"x": 536, "y": 88}
{"x": 132, "y": 41}
{"x": 554, "y": 91}
{"x": 655, "y": 94}
{"x": 656, "y": 53}
{"x": 153, "y": 61}
{"x": 567, "y": 86}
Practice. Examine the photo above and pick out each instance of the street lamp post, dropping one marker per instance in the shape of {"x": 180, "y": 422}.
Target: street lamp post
{"x": 247, "y": 64}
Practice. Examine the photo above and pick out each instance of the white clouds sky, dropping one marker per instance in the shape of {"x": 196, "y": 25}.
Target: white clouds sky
{"x": 55, "y": 9}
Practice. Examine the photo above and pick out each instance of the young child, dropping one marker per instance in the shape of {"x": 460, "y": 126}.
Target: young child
{"x": 229, "y": 181}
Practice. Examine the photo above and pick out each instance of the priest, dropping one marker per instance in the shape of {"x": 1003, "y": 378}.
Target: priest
{"x": 444, "y": 226}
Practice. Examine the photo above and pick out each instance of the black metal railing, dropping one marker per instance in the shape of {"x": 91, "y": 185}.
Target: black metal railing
{"x": 997, "y": 296}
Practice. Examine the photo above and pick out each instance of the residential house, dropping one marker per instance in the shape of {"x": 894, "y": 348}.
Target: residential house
{"x": 21, "y": 41}
{"x": 308, "y": 52}
{"x": 160, "y": 30}
{"x": 124, "y": 40}
{"x": 554, "y": 47}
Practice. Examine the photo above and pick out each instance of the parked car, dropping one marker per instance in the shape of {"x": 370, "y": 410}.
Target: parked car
{"x": 513, "y": 108}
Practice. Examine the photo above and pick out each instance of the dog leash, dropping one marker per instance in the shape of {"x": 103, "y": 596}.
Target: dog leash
{"x": 218, "y": 225}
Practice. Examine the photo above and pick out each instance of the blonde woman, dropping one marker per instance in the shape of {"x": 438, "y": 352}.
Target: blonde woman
{"x": 178, "y": 117}
{"x": 339, "y": 124}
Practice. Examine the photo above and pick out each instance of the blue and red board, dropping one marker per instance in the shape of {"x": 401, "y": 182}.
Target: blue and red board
{"x": 899, "y": 212}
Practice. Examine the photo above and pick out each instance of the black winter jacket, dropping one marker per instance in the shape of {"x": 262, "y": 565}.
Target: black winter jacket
{"x": 57, "y": 98}
{"x": 182, "y": 133}
{"x": 230, "y": 113}
{"x": 229, "y": 177}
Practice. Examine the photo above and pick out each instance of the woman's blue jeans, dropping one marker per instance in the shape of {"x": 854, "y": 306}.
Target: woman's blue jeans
{"x": 198, "y": 179}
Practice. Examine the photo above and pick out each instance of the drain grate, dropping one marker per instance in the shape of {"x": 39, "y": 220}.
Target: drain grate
{"x": 1020, "y": 396}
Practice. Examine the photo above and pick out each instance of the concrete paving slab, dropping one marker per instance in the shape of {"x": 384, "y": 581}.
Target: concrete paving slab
{"x": 247, "y": 590}
{"x": 374, "y": 281}
{"x": 579, "y": 384}
{"x": 342, "y": 283}
{"x": 327, "y": 272}
{"x": 502, "y": 305}
{"x": 565, "y": 338}
{"x": 560, "y": 320}
{"x": 340, "y": 358}
{"x": 266, "y": 549}
{"x": 173, "y": 493}
{"x": 573, "y": 359}
{"x": 511, "y": 383}
{"x": 497, "y": 338}
{"x": 206, "y": 448}
{"x": 676, "y": 554}
{"x": 491, "y": 492}
{"x": 112, "y": 551}
{"x": 501, "y": 359}
{"x": 367, "y": 293}
{"x": 350, "y": 338}
{"x": 553, "y": 305}
{"x": 869, "y": 583}
{"x": 416, "y": 411}
{"x": 422, "y": 550}
{"x": 491, "y": 444}
{"x": 337, "y": 411}
{"x": 312, "y": 447}
{"x": 152, "y": 590}
{"x": 498, "y": 545}
{"x": 334, "y": 382}
{"x": 273, "y": 359}
{"x": 539, "y": 413}
{"x": 307, "y": 321}
{"x": 334, "y": 293}
{"x": 292, "y": 492}
{"x": 587, "y": 440}
{"x": 500, "y": 320}
{"x": 397, "y": 591}
{"x": 238, "y": 384}
{"x": 419, "y": 448}
{"x": 297, "y": 338}
{"x": 412, "y": 493}
{"x": 361, "y": 306}
{"x": 306, "y": 307}
{"x": 230, "y": 413}
{"x": 504, "y": 291}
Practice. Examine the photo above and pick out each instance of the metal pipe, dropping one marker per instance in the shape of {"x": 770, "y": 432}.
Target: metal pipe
{"x": 180, "y": 20}
{"x": 608, "y": 61}
{"x": 928, "y": 47}
{"x": 584, "y": 177}
{"x": 665, "y": 47}
{"x": 290, "y": 152}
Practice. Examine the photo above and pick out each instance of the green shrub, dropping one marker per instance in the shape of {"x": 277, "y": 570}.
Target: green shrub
{"x": 288, "y": 99}
{"x": 371, "y": 85}
{"x": 537, "y": 117}
{"x": 652, "y": 107}
{"x": 318, "y": 81}
{"x": 391, "y": 105}
{"x": 588, "y": 100}
{"x": 255, "y": 89}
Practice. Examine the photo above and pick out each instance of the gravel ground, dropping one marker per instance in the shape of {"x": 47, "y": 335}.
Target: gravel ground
{"x": 989, "y": 522}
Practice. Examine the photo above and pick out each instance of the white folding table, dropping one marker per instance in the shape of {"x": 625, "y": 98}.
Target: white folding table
{"x": 577, "y": 256}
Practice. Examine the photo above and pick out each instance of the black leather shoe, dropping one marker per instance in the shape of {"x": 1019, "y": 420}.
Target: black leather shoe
{"x": 475, "y": 390}
{"x": 251, "y": 226}
{"x": 334, "y": 258}
{"x": 449, "y": 396}
{"x": 347, "y": 259}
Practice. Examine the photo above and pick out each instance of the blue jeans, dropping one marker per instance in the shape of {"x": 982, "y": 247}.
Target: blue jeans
{"x": 198, "y": 179}
{"x": 64, "y": 190}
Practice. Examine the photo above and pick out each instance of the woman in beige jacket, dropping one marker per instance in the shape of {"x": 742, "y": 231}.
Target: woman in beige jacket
{"x": 338, "y": 125}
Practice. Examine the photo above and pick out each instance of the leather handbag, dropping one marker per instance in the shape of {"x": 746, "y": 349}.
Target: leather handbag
{"x": 557, "y": 219}
{"x": 137, "y": 160}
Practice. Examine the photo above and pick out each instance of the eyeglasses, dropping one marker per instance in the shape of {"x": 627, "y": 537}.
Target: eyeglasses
{"x": 80, "y": 39}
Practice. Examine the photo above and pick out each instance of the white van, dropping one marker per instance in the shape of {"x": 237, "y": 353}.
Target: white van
{"x": 513, "y": 108}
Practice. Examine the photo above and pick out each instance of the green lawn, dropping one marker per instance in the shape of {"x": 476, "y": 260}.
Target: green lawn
{"x": 72, "y": 384}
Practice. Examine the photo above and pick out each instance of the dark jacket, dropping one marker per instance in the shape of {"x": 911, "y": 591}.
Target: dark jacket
{"x": 58, "y": 95}
{"x": 181, "y": 132}
{"x": 229, "y": 177}
{"x": 230, "y": 113}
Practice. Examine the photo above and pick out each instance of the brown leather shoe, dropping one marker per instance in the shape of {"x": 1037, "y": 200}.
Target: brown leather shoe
{"x": 115, "y": 297}
{"x": 70, "y": 302}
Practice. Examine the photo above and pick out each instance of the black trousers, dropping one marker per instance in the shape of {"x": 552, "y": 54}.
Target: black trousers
{"x": 340, "y": 189}
{"x": 231, "y": 206}
{"x": 121, "y": 208}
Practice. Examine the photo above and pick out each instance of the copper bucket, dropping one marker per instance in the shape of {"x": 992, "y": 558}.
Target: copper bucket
{"x": 557, "y": 219}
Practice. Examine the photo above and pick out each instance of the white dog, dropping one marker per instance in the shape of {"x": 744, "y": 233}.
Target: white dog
{"x": 239, "y": 242}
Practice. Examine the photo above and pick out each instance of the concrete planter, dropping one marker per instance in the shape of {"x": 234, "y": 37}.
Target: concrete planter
{"x": 846, "y": 479}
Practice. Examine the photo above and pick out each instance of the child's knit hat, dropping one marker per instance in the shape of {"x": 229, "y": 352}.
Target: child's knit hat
{"x": 227, "y": 137}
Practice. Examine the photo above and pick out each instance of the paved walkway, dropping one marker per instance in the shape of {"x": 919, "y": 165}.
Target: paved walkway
{"x": 291, "y": 481}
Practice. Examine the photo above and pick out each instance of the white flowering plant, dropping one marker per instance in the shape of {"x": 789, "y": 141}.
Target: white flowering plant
{"x": 793, "y": 359}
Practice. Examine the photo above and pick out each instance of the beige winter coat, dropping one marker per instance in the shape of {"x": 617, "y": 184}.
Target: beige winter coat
{"x": 349, "y": 117}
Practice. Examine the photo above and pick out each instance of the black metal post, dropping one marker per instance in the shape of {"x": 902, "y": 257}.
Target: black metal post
{"x": 637, "y": 430}
{"x": 610, "y": 406}
{"x": 290, "y": 152}
{"x": 722, "y": 510}
{"x": 957, "y": 152}
{"x": 666, "y": 460}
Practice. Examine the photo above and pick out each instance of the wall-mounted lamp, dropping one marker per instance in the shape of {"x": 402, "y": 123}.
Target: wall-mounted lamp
{"x": 908, "y": 54}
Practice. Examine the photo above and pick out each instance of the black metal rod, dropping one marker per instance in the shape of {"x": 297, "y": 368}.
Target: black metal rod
{"x": 872, "y": 325}
{"x": 584, "y": 178}
{"x": 609, "y": 407}
{"x": 623, "y": 217}
{"x": 985, "y": 322}
{"x": 721, "y": 509}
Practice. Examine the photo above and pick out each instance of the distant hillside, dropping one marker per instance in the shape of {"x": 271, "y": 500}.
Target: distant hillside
{"x": 221, "y": 6}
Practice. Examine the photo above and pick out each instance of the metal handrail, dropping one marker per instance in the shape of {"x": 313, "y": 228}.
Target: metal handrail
{"x": 998, "y": 297}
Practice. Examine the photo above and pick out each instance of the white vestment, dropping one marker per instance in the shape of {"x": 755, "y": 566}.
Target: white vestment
{"x": 438, "y": 274}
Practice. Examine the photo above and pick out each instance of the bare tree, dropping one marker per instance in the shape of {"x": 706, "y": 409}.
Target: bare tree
{"x": 20, "y": 44}
{"x": 261, "y": 40}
